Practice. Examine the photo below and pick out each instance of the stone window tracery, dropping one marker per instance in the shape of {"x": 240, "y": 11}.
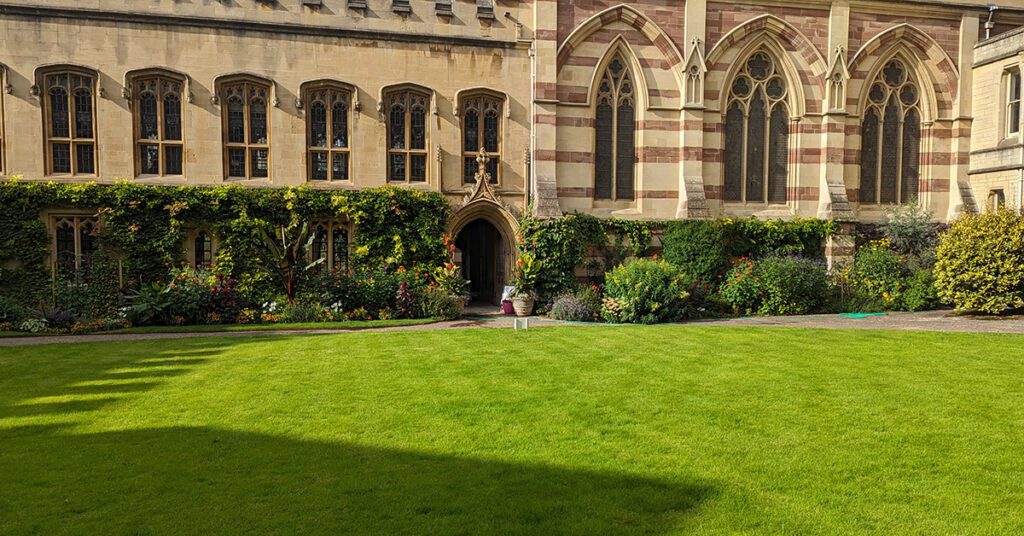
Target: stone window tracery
{"x": 246, "y": 110}
{"x": 615, "y": 133}
{"x": 69, "y": 99}
{"x": 328, "y": 130}
{"x": 481, "y": 127}
{"x": 891, "y": 138}
{"x": 159, "y": 145}
{"x": 406, "y": 113}
{"x": 757, "y": 134}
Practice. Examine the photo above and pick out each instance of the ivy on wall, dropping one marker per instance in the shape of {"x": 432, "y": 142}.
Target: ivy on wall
{"x": 144, "y": 227}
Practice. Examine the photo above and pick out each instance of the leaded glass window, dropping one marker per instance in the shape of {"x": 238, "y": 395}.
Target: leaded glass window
{"x": 891, "y": 138}
{"x": 203, "y": 250}
{"x": 481, "y": 127}
{"x": 74, "y": 244}
{"x": 330, "y": 246}
{"x": 757, "y": 134}
{"x": 159, "y": 147}
{"x": 328, "y": 133}
{"x": 70, "y": 130}
{"x": 246, "y": 112}
{"x": 406, "y": 112}
{"x": 615, "y": 133}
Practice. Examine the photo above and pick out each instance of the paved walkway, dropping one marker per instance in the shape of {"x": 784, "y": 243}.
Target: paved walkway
{"x": 926, "y": 321}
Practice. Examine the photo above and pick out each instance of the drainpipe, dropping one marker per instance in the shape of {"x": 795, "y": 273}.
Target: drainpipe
{"x": 532, "y": 166}
{"x": 990, "y": 24}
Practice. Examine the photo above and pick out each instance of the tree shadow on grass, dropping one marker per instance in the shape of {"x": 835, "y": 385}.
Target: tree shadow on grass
{"x": 200, "y": 480}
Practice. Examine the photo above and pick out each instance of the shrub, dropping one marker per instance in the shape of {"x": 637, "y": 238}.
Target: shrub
{"x": 580, "y": 305}
{"x": 911, "y": 233}
{"x": 877, "y": 279}
{"x": 191, "y": 297}
{"x": 777, "y": 285}
{"x": 11, "y": 312}
{"x": 304, "y": 312}
{"x": 646, "y": 291}
{"x": 921, "y": 294}
{"x": 437, "y": 303}
{"x": 32, "y": 325}
{"x": 698, "y": 245}
{"x": 980, "y": 262}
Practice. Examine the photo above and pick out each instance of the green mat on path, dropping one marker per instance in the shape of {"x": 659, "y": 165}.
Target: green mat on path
{"x": 860, "y": 315}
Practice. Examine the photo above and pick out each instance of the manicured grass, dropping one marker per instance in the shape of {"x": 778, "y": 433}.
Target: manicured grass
{"x": 598, "y": 431}
{"x": 232, "y": 328}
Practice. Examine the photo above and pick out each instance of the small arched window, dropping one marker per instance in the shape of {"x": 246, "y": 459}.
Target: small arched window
{"x": 327, "y": 132}
{"x": 159, "y": 147}
{"x": 74, "y": 244}
{"x": 406, "y": 113}
{"x": 481, "y": 127}
{"x": 757, "y": 133}
{"x": 615, "y": 133}
{"x": 245, "y": 111}
{"x": 330, "y": 246}
{"x": 891, "y": 138}
{"x": 69, "y": 102}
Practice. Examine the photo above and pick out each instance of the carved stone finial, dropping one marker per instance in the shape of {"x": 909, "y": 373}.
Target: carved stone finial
{"x": 482, "y": 188}
{"x": 34, "y": 90}
{"x": 481, "y": 166}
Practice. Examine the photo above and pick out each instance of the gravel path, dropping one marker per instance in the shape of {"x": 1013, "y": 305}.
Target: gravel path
{"x": 926, "y": 321}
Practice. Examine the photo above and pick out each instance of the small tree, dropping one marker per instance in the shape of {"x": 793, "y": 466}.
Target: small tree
{"x": 911, "y": 233}
{"x": 980, "y": 262}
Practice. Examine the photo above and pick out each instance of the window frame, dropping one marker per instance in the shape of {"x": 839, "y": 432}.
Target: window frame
{"x": 161, "y": 77}
{"x": 344, "y": 93}
{"x": 387, "y": 102}
{"x": 77, "y": 222}
{"x": 879, "y": 108}
{"x": 616, "y": 96}
{"x": 771, "y": 105}
{"x": 478, "y": 100}
{"x": 331, "y": 227}
{"x": 248, "y": 83}
{"x": 72, "y": 140}
{"x": 211, "y": 251}
{"x": 1014, "y": 80}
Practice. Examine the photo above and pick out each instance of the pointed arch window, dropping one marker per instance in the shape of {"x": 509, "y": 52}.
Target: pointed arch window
{"x": 330, "y": 246}
{"x": 891, "y": 138}
{"x": 757, "y": 134}
{"x": 481, "y": 127}
{"x": 246, "y": 128}
{"x": 615, "y": 133}
{"x": 157, "y": 106}
{"x": 328, "y": 126}
{"x": 69, "y": 104}
{"x": 406, "y": 115}
{"x": 75, "y": 243}
{"x": 202, "y": 250}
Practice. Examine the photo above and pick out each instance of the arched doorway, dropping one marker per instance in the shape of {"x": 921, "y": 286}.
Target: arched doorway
{"x": 484, "y": 258}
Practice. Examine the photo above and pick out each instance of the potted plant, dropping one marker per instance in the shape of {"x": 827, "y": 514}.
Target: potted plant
{"x": 449, "y": 279}
{"x": 525, "y": 283}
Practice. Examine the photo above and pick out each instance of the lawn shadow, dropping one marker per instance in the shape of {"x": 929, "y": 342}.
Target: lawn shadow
{"x": 200, "y": 480}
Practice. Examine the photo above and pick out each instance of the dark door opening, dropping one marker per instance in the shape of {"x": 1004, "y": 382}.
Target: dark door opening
{"x": 483, "y": 260}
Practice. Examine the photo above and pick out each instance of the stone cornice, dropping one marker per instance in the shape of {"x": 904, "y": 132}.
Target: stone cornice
{"x": 157, "y": 19}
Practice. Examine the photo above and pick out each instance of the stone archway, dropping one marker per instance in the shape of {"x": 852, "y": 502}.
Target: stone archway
{"x": 484, "y": 235}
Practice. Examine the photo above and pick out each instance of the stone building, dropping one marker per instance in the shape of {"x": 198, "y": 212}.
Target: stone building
{"x": 654, "y": 109}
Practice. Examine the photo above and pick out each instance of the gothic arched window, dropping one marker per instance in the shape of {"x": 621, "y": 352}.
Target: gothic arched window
{"x": 246, "y": 109}
{"x": 330, "y": 246}
{"x": 891, "y": 138}
{"x": 327, "y": 132}
{"x": 757, "y": 133}
{"x": 159, "y": 148}
{"x": 615, "y": 133}
{"x": 481, "y": 127}
{"x": 69, "y": 113}
{"x": 406, "y": 113}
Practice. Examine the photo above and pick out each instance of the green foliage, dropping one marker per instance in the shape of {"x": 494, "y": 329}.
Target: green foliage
{"x": 921, "y": 294}
{"x": 911, "y": 233}
{"x": 697, "y": 245}
{"x": 11, "y": 311}
{"x": 189, "y": 297}
{"x": 580, "y": 305}
{"x": 980, "y": 262}
{"x": 527, "y": 272}
{"x": 436, "y": 303}
{"x": 646, "y": 291}
{"x": 777, "y": 285}
{"x": 877, "y": 279}
{"x": 143, "y": 229}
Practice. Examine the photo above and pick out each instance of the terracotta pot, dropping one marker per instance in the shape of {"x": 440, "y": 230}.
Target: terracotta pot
{"x": 523, "y": 305}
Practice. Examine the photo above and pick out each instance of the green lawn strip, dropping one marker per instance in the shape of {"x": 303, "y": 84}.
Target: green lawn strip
{"x": 231, "y": 328}
{"x": 611, "y": 430}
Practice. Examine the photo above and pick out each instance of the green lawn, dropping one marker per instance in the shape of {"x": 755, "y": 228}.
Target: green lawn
{"x": 597, "y": 431}
{"x": 210, "y": 328}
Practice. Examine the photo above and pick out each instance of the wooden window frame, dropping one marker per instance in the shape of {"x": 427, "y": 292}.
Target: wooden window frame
{"x": 620, "y": 92}
{"x": 336, "y": 92}
{"x": 211, "y": 252}
{"x": 757, "y": 86}
{"x": 331, "y": 254}
{"x": 248, "y": 84}
{"x": 408, "y": 152}
{"x": 72, "y": 140}
{"x": 479, "y": 101}
{"x": 161, "y": 79}
{"x": 879, "y": 106}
